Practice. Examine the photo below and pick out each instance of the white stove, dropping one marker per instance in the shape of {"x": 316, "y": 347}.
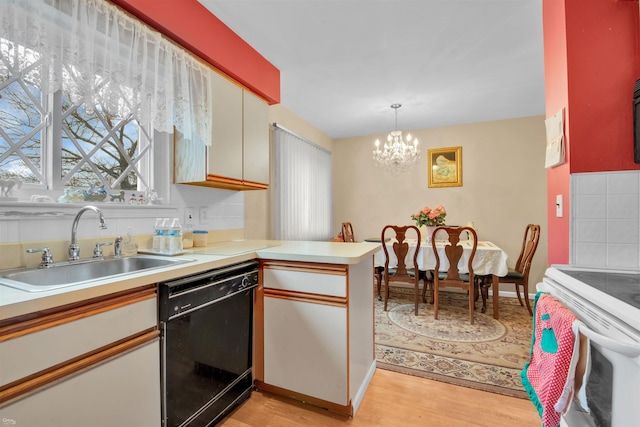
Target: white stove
{"x": 608, "y": 304}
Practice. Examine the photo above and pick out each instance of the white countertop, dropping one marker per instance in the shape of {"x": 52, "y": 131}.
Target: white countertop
{"x": 15, "y": 302}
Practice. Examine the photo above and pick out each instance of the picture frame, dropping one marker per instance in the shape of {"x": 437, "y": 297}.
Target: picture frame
{"x": 444, "y": 167}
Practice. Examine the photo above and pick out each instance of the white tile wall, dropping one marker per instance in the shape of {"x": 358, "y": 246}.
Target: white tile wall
{"x": 605, "y": 219}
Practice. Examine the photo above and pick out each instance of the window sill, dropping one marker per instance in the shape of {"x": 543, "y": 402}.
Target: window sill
{"x": 21, "y": 209}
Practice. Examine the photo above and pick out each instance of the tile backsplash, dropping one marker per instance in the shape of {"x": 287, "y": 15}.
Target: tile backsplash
{"x": 605, "y": 219}
{"x": 27, "y": 225}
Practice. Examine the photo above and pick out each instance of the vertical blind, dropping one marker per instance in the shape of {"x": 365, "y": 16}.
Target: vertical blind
{"x": 302, "y": 188}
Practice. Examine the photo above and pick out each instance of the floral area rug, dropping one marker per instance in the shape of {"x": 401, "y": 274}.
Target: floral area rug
{"x": 487, "y": 355}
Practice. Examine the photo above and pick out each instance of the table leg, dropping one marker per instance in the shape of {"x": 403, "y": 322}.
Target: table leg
{"x": 495, "y": 285}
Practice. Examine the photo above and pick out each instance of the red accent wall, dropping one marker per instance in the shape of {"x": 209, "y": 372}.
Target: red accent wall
{"x": 603, "y": 40}
{"x": 556, "y": 96}
{"x": 191, "y": 25}
{"x": 592, "y": 60}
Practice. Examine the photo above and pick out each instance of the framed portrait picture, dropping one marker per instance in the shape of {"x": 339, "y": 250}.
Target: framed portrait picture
{"x": 445, "y": 167}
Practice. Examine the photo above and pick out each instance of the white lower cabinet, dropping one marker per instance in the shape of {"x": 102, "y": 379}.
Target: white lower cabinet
{"x": 305, "y": 348}
{"x": 123, "y": 390}
{"x": 314, "y": 339}
{"x": 92, "y": 364}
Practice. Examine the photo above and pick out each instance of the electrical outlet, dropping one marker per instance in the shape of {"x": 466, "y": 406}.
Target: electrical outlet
{"x": 189, "y": 213}
{"x": 203, "y": 215}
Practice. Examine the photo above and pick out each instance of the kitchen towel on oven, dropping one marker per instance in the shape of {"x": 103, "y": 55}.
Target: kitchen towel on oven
{"x": 549, "y": 375}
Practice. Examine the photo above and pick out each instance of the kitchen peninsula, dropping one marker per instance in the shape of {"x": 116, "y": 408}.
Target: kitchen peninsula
{"x": 314, "y": 323}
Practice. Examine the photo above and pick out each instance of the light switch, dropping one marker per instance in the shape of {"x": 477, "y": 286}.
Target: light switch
{"x": 203, "y": 216}
{"x": 559, "y": 205}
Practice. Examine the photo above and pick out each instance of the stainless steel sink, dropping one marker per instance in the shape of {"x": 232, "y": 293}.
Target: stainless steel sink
{"x": 68, "y": 274}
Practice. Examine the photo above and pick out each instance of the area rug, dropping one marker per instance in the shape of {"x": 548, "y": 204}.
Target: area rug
{"x": 487, "y": 355}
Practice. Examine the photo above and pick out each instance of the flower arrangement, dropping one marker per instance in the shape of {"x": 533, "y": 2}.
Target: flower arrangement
{"x": 430, "y": 217}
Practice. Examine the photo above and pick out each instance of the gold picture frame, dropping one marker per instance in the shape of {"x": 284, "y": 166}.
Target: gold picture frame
{"x": 444, "y": 166}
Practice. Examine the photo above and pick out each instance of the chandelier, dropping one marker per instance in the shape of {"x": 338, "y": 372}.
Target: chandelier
{"x": 396, "y": 156}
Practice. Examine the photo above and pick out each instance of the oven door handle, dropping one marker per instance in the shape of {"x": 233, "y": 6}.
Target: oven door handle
{"x": 626, "y": 349}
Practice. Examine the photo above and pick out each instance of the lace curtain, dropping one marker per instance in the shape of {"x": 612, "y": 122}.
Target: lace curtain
{"x": 302, "y": 188}
{"x": 95, "y": 51}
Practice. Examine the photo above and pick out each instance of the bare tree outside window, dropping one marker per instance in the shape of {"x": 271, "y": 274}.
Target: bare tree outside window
{"x": 96, "y": 148}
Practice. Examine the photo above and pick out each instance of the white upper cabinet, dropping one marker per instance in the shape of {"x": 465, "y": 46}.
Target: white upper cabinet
{"x": 238, "y": 158}
{"x": 225, "y": 153}
{"x": 255, "y": 132}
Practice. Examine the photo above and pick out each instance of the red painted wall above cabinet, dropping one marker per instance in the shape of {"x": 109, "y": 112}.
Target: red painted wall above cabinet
{"x": 603, "y": 64}
{"x": 191, "y": 25}
{"x": 591, "y": 63}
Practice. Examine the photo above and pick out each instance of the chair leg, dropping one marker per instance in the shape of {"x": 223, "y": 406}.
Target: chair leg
{"x": 472, "y": 301}
{"x": 484, "y": 291}
{"x": 378, "y": 276}
{"x": 518, "y": 294}
{"x": 426, "y": 281}
{"x": 525, "y": 289}
{"x": 435, "y": 300}
{"x": 386, "y": 292}
{"x": 416, "y": 293}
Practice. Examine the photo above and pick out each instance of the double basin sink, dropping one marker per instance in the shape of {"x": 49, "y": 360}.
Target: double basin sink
{"x": 64, "y": 274}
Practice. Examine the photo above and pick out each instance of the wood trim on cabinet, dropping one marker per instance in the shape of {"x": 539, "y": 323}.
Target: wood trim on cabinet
{"x": 341, "y": 409}
{"x": 305, "y": 267}
{"x": 54, "y": 373}
{"x": 217, "y": 181}
{"x": 16, "y": 327}
{"x": 306, "y": 297}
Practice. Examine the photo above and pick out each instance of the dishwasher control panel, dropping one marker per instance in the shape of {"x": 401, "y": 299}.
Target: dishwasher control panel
{"x": 184, "y": 295}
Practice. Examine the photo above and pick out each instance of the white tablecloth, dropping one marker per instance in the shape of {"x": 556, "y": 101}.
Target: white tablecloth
{"x": 489, "y": 258}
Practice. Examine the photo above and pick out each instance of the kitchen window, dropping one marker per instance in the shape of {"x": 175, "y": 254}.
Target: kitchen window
{"x": 83, "y": 87}
{"x": 50, "y": 141}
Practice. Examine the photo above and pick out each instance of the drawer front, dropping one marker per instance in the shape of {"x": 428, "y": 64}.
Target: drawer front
{"x": 53, "y": 344}
{"x": 313, "y": 282}
{"x": 123, "y": 390}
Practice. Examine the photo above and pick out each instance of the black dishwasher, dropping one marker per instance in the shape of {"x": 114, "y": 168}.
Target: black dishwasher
{"x": 206, "y": 322}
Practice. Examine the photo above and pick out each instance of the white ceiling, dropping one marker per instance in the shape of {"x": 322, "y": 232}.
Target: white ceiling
{"x": 344, "y": 62}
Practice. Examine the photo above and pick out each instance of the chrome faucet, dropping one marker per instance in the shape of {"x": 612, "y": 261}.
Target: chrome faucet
{"x": 74, "y": 249}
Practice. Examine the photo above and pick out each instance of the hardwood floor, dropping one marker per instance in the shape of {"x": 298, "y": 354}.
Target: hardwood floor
{"x": 393, "y": 400}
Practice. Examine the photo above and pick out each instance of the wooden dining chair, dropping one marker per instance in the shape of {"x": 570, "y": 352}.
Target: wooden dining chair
{"x": 452, "y": 277}
{"x": 347, "y": 232}
{"x": 519, "y": 275}
{"x": 402, "y": 272}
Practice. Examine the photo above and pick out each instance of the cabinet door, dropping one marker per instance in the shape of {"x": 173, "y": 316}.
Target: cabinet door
{"x": 225, "y": 153}
{"x": 57, "y": 341}
{"x": 122, "y": 391}
{"x": 256, "y": 139}
{"x": 305, "y": 348}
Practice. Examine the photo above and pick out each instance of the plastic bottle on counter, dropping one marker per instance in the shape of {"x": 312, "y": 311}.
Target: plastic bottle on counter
{"x": 175, "y": 236}
{"x": 157, "y": 236}
{"x": 164, "y": 235}
{"x": 187, "y": 237}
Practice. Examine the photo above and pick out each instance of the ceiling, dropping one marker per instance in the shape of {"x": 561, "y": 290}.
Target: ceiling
{"x": 344, "y": 62}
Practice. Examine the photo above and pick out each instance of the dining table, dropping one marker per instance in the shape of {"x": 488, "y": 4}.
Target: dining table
{"x": 489, "y": 259}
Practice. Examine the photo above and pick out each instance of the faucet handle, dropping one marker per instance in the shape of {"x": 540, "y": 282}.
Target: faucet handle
{"x": 117, "y": 247}
{"x": 47, "y": 258}
{"x": 97, "y": 251}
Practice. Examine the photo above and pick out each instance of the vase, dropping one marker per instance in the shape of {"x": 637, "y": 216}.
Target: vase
{"x": 429, "y": 234}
